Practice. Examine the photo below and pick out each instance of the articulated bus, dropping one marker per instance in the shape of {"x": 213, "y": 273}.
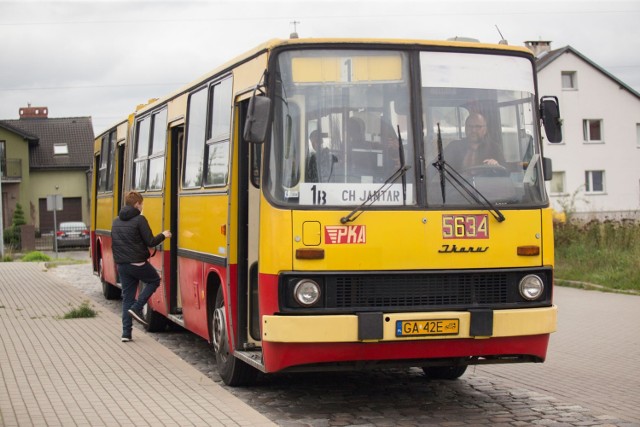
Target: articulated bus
{"x": 319, "y": 219}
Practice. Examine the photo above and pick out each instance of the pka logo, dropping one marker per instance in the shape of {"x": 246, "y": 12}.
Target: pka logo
{"x": 345, "y": 234}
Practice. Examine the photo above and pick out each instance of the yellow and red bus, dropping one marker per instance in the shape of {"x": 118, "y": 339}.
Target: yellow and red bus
{"x": 319, "y": 221}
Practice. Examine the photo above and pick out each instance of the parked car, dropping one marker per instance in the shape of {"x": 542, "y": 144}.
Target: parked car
{"x": 72, "y": 234}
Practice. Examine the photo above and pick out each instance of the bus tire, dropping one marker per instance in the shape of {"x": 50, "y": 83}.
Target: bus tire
{"x": 233, "y": 371}
{"x": 108, "y": 290}
{"x": 156, "y": 322}
{"x": 444, "y": 372}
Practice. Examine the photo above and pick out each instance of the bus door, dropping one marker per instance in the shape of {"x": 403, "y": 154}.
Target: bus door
{"x": 249, "y": 158}
{"x": 148, "y": 175}
{"x": 175, "y": 145}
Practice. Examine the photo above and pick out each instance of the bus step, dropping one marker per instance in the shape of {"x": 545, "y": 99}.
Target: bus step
{"x": 177, "y": 318}
{"x": 251, "y": 358}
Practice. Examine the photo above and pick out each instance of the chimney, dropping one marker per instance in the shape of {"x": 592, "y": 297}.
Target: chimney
{"x": 538, "y": 47}
{"x": 30, "y": 112}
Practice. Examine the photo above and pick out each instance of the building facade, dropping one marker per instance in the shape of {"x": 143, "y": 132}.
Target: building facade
{"x": 596, "y": 169}
{"x": 43, "y": 156}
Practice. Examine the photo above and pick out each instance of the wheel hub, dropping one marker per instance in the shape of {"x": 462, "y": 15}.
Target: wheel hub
{"x": 219, "y": 329}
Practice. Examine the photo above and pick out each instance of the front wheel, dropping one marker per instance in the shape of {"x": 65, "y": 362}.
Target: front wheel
{"x": 233, "y": 371}
{"x": 444, "y": 372}
{"x": 156, "y": 322}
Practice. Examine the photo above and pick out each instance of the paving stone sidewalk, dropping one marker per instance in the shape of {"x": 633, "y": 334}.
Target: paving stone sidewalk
{"x": 73, "y": 372}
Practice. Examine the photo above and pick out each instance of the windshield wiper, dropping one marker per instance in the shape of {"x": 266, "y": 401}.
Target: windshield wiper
{"x": 440, "y": 164}
{"x": 402, "y": 164}
{"x": 375, "y": 195}
{"x": 460, "y": 183}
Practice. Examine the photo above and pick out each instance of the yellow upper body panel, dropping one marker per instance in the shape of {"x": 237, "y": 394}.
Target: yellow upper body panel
{"x": 406, "y": 240}
{"x": 153, "y": 212}
{"x": 104, "y": 212}
{"x": 201, "y": 222}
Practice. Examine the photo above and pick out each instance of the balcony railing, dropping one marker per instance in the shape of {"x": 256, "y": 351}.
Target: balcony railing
{"x": 11, "y": 169}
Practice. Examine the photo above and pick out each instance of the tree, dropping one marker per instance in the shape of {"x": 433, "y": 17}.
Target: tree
{"x": 18, "y": 216}
{"x": 12, "y": 234}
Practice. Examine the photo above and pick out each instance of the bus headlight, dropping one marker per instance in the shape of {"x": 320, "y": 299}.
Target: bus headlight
{"x": 531, "y": 287}
{"x": 306, "y": 292}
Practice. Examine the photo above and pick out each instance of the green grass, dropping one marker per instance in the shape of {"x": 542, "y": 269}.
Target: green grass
{"x": 83, "y": 311}
{"x": 606, "y": 254}
{"x": 35, "y": 256}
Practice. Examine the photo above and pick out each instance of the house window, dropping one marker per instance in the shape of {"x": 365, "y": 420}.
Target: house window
{"x": 594, "y": 181}
{"x": 592, "y": 130}
{"x": 638, "y": 135}
{"x": 569, "y": 80}
{"x": 557, "y": 183}
{"x": 60, "y": 149}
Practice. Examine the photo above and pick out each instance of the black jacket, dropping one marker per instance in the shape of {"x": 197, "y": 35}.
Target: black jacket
{"x": 131, "y": 237}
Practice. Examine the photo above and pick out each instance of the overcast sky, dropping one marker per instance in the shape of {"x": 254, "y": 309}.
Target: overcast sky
{"x": 102, "y": 58}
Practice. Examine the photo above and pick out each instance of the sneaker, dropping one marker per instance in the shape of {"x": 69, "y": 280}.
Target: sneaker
{"x": 137, "y": 315}
{"x": 126, "y": 338}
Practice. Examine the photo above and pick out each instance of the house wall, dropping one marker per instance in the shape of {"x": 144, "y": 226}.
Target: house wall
{"x": 16, "y": 148}
{"x": 597, "y": 97}
{"x": 69, "y": 183}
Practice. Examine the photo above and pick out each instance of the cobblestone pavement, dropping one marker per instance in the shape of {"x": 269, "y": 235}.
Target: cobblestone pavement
{"x": 373, "y": 398}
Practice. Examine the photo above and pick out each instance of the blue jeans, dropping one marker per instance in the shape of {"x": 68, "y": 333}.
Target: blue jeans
{"x": 130, "y": 275}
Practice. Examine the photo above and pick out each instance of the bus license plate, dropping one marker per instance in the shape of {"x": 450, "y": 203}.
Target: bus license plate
{"x": 413, "y": 328}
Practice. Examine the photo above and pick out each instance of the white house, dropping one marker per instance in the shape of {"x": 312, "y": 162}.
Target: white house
{"x": 596, "y": 169}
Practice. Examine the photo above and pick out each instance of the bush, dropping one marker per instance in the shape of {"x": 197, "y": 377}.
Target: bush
{"x": 18, "y": 217}
{"x": 607, "y": 234}
{"x": 36, "y": 256}
{"x": 12, "y": 237}
{"x": 606, "y": 253}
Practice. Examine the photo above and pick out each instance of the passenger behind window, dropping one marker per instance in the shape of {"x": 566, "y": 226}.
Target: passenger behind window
{"x": 356, "y": 133}
{"x": 320, "y": 162}
{"x": 365, "y": 160}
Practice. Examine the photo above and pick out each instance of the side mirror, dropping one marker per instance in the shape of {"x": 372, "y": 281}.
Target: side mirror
{"x": 550, "y": 114}
{"x": 257, "y": 122}
{"x": 547, "y": 170}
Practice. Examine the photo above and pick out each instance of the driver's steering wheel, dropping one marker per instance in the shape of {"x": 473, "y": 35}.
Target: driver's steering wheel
{"x": 489, "y": 171}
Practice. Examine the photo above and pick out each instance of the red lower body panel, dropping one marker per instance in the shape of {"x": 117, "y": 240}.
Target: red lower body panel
{"x": 279, "y": 356}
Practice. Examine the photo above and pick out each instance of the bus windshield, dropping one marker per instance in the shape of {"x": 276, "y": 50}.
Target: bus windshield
{"x": 480, "y": 130}
{"x": 344, "y": 132}
{"x": 342, "y": 129}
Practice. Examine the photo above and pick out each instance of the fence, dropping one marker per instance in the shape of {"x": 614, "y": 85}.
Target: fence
{"x": 70, "y": 236}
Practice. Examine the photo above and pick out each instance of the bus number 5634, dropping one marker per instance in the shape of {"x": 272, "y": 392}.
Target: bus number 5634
{"x": 465, "y": 227}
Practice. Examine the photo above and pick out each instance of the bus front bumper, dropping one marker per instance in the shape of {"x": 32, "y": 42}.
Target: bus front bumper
{"x": 307, "y": 342}
{"x": 384, "y": 326}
